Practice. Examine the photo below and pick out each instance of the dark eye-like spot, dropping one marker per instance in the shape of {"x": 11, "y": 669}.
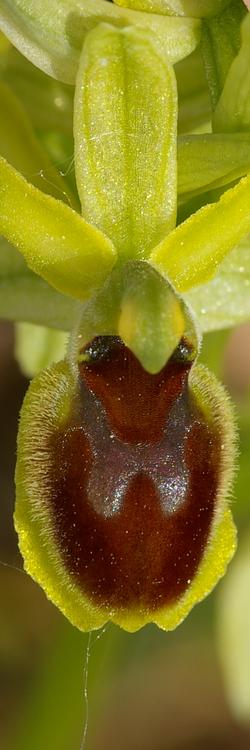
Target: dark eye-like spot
{"x": 133, "y": 478}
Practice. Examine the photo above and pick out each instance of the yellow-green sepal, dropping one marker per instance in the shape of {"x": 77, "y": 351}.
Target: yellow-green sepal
{"x": 56, "y": 242}
{"x": 51, "y": 34}
{"x": 126, "y": 157}
{"x": 211, "y": 160}
{"x": 193, "y": 8}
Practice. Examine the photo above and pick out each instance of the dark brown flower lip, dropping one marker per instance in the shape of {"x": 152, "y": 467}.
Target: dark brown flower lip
{"x": 133, "y": 480}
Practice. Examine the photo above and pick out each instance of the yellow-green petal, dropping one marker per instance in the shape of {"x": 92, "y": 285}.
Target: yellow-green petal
{"x": 125, "y": 139}
{"x": 191, "y": 254}
{"x": 56, "y": 242}
{"x": 51, "y": 34}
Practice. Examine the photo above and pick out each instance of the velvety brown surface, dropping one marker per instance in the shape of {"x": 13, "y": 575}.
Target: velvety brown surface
{"x": 134, "y": 480}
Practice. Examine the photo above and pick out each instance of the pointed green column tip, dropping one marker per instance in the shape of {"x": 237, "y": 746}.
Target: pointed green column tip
{"x": 140, "y": 306}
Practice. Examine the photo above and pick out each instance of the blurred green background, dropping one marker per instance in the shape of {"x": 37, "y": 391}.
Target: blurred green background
{"x": 186, "y": 690}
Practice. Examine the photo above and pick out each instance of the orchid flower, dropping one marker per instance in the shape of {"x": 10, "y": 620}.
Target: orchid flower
{"x": 126, "y": 449}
